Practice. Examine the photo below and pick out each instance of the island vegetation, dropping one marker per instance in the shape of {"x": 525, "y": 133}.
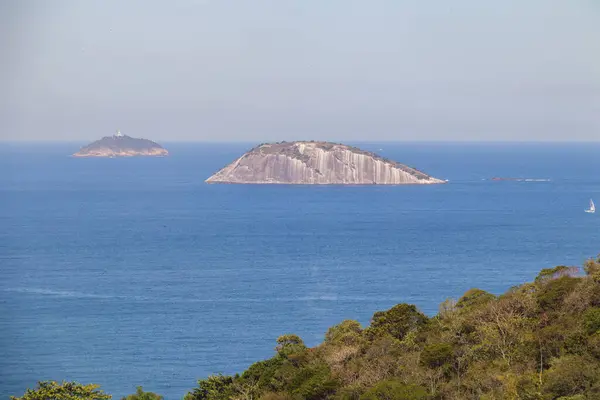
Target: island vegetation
{"x": 537, "y": 341}
{"x": 120, "y": 145}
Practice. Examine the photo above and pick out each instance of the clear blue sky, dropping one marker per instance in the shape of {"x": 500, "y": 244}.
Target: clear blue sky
{"x": 307, "y": 69}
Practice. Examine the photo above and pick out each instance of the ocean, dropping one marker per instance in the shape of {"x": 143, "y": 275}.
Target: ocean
{"x": 127, "y": 272}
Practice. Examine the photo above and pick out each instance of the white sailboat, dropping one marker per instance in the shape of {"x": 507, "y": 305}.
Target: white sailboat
{"x": 592, "y": 208}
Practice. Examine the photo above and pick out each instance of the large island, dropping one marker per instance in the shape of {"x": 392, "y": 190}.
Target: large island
{"x": 120, "y": 145}
{"x": 317, "y": 163}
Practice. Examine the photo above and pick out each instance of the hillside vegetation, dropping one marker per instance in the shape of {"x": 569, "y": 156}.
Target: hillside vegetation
{"x": 538, "y": 341}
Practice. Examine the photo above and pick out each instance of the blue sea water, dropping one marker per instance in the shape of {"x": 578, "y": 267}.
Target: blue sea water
{"x": 128, "y": 272}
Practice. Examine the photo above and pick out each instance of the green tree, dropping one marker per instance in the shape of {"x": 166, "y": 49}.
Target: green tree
{"x": 215, "y": 387}
{"x": 474, "y": 298}
{"x": 504, "y": 329}
{"x": 591, "y": 320}
{"x": 141, "y": 395}
{"x": 398, "y": 321}
{"x": 394, "y": 390}
{"x": 346, "y": 333}
{"x": 570, "y": 376}
{"x": 51, "y": 390}
{"x": 548, "y": 274}
{"x": 263, "y": 372}
{"x": 276, "y": 396}
{"x": 313, "y": 382}
{"x": 437, "y": 354}
{"x": 289, "y": 344}
{"x": 553, "y": 292}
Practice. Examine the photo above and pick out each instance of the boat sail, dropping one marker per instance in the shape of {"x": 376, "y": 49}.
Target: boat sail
{"x": 592, "y": 208}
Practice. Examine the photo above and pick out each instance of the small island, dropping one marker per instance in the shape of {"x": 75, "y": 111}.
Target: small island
{"x": 520, "y": 179}
{"x": 321, "y": 163}
{"x": 120, "y": 145}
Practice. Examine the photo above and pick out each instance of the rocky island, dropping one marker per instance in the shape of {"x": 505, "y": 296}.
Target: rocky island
{"x": 120, "y": 145}
{"x": 317, "y": 163}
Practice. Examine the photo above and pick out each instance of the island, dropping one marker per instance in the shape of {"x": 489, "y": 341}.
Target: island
{"x": 311, "y": 162}
{"x": 520, "y": 179}
{"x": 120, "y": 145}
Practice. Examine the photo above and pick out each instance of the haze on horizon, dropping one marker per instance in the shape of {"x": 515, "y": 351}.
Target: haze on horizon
{"x": 194, "y": 70}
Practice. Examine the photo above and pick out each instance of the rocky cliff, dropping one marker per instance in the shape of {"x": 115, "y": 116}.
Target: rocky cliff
{"x": 121, "y": 146}
{"x": 317, "y": 163}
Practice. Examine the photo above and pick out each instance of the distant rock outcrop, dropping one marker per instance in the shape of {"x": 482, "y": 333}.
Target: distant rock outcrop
{"x": 317, "y": 163}
{"x": 120, "y": 145}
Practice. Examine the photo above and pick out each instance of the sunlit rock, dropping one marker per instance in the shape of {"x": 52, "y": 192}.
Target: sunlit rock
{"x": 317, "y": 163}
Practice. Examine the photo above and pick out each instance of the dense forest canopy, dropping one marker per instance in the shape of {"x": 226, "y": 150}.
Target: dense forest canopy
{"x": 537, "y": 341}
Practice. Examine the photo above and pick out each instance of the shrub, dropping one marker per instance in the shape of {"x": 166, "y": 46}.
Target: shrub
{"x": 570, "y": 375}
{"x": 553, "y": 292}
{"x": 263, "y": 372}
{"x": 436, "y": 355}
{"x": 548, "y": 274}
{"x": 591, "y": 320}
{"x": 592, "y": 267}
{"x": 276, "y": 396}
{"x": 447, "y": 308}
{"x": 141, "y": 395}
{"x": 289, "y": 344}
{"x": 51, "y": 390}
{"x": 394, "y": 390}
{"x": 349, "y": 393}
{"x": 314, "y": 382}
{"x": 215, "y": 387}
{"x": 346, "y": 333}
{"x": 593, "y": 345}
{"x": 527, "y": 387}
{"x": 474, "y": 298}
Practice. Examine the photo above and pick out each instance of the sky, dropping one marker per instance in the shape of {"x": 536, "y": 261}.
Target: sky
{"x": 255, "y": 71}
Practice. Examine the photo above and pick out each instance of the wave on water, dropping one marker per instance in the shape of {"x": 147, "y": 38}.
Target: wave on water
{"x": 521, "y": 179}
{"x": 81, "y": 295}
{"x": 57, "y": 293}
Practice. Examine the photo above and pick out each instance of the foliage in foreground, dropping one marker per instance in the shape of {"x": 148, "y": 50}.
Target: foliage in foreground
{"x": 50, "y": 390}
{"x": 141, "y": 395}
{"x": 538, "y": 341}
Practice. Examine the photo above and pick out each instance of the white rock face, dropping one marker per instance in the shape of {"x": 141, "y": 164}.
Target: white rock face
{"x": 317, "y": 163}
